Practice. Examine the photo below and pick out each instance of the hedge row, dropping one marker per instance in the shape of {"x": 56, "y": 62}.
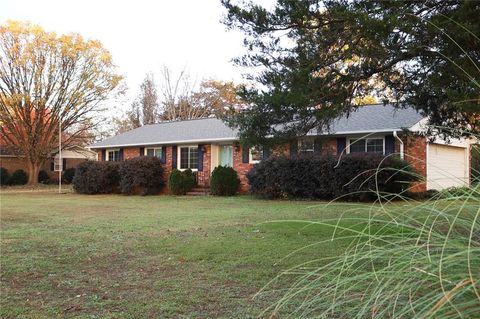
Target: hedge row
{"x": 355, "y": 177}
{"x": 141, "y": 175}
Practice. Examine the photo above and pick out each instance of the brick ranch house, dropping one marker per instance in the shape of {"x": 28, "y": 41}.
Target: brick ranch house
{"x": 71, "y": 157}
{"x": 203, "y": 144}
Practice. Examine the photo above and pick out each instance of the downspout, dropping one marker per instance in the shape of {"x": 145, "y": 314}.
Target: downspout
{"x": 401, "y": 144}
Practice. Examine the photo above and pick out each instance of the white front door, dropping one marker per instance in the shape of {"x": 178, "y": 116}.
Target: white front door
{"x": 226, "y": 155}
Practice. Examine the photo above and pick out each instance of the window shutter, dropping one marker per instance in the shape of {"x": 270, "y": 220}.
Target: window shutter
{"x": 174, "y": 156}
{"x": 104, "y": 155}
{"x": 120, "y": 154}
{"x": 64, "y": 164}
{"x": 293, "y": 148}
{"x": 245, "y": 154}
{"x": 142, "y": 151}
{"x": 341, "y": 145}
{"x": 164, "y": 155}
{"x": 389, "y": 144}
{"x": 52, "y": 165}
{"x": 200, "y": 158}
{"x": 265, "y": 153}
{"x": 317, "y": 146}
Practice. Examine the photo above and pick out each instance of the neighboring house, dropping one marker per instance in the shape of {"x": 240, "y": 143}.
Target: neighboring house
{"x": 71, "y": 157}
{"x": 203, "y": 144}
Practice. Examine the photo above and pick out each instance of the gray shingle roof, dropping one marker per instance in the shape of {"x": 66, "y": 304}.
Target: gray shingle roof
{"x": 191, "y": 131}
{"x": 375, "y": 118}
{"x": 369, "y": 118}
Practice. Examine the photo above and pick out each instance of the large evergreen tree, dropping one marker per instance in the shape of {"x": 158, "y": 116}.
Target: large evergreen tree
{"x": 312, "y": 59}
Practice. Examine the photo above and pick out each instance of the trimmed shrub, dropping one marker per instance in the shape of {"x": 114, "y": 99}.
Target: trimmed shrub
{"x": 68, "y": 175}
{"x": 19, "y": 177}
{"x": 224, "y": 181}
{"x": 143, "y": 175}
{"x": 175, "y": 182}
{"x": 4, "y": 176}
{"x": 181, "y": 182}
{"x": 355, "y": 177}
{"x": 97, "y": 178}
{"x": 43, "y": 177}
{"x": 189, "y": 180}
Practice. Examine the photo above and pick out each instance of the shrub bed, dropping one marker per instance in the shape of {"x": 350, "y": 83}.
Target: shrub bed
{"x": 356, "y": 177}
{"x": 141, "y": 175}
{"x": 97, "y": 178}
{"x": 224, "y": 182}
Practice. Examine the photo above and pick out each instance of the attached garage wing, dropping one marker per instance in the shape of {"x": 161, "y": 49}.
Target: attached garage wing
{"x": 447, "y": 166}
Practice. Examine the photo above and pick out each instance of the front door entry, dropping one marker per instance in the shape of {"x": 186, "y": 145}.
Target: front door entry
{"x": 226, "y": 155}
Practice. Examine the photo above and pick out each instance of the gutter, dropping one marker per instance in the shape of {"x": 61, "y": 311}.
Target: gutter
{"x": 402, "y": 156}
{"x": 199, "y": 141}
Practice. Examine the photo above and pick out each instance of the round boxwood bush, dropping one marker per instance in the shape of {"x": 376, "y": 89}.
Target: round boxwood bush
{"x": 68, "y": 175}
{"x": 43, "y": 177}
{"x": 189, "y": 180}
{"x": 224, "y": 181}
{"x": 176, "y": 182}
{"x": 4, "y": 176}
{"x": 141, "y": 175}
{"x": 19, "y": 177}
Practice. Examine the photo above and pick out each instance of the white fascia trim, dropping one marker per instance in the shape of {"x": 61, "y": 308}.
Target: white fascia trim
{"x": 365, "y": 132}
{"x": 226, "y": 139}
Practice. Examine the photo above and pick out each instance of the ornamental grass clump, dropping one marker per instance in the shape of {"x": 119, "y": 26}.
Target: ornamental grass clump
{"x": 408, "y": 259}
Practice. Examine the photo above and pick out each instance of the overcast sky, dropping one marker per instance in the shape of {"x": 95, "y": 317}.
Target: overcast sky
{"x": 144, "y": 35}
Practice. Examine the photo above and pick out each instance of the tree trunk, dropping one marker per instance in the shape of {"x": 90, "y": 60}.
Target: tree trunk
{"x": 33, "y": 169}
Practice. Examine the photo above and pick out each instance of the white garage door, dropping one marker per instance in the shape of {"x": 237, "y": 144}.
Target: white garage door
{"x": 446, "y": 167}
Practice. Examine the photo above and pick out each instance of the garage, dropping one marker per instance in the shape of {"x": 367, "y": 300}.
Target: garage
{"x": 447, "y": 166}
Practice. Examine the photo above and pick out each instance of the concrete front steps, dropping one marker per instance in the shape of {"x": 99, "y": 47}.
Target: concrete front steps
{"x": 199, "y": 191}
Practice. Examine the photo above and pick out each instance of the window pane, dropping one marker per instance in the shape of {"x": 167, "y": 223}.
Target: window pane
{"x": 375, "y": 145}
{"x": 184, "y": 157}
{"x": 158, "y": 152}
{"x": 306, "y": 146}
{"x": 357, "y": 146}
{"x": 110, "y": 156}
{"x": 193, "y": 157}
{"x": 150, "y": 152}
{"x": 256, "y": 154}
{"x": 116, "y": 155}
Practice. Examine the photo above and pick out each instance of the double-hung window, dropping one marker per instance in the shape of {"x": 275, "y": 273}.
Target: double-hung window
{"x": 256, "y": 155}
{"x": 113, "y": 155}
{"x": 188, "y": 157}
{"x": 153, "y": 152}
{"x": 368, "y": 145}
{"x": 306, "y": 146}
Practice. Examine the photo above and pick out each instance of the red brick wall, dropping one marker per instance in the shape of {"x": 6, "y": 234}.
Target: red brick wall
{"x": 329, "y": 146}
{"x": 241, "y": 168}
{"x": 415, "y": 148}
{"x": 131, "y": 152}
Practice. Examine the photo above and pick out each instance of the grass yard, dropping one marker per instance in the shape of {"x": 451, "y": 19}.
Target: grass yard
{"x": 152, "y": 257}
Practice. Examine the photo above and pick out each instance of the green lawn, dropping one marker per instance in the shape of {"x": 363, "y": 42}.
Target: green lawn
{"x": 141, "y": 257}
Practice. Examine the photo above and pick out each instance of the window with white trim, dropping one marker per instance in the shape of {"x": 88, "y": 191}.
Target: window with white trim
{"x": 255, "y": 155}
{"x": 368, "y": 145}
{"x": 306, "y": 146}
{"x": 188, "y": 157}
{"x": 113, "y": 155}
{"x": 153, "y": 152}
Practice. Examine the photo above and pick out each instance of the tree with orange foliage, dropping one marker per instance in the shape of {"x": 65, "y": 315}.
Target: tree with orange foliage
{"x": 46, "y": 79}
